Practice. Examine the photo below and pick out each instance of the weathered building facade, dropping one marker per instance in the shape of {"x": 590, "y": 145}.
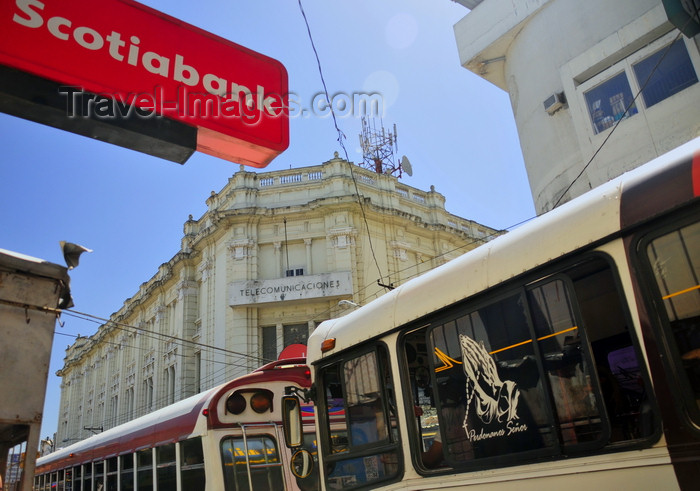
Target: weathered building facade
{"x": 270, "y": 259}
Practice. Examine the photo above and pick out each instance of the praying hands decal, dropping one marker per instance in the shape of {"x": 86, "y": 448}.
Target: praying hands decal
{"x": 496, "y": 401}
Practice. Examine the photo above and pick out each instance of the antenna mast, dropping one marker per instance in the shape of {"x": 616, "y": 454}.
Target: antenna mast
{"x": 378, "y": 146}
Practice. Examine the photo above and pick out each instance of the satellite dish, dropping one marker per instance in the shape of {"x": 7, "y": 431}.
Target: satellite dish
{"x": 406, "y": 166}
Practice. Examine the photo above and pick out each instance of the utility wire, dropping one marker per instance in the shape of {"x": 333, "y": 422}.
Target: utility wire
{"x": 157, "y": 402}
{"x": 148, "y": 349}
{"x": 341, "y": 137}
{"x": 122, "y": 326}
{"x": 157, "y": 352}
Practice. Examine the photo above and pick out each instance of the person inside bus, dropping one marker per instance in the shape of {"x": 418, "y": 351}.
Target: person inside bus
{"x": 192, "y": 450}
{"x": 193, "y": 458}
{"x": 433, "y": 457}
{"x": 193, "y": 467}
{"x": 452, "y": 413}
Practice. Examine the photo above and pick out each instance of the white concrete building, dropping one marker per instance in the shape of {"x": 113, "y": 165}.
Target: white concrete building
{"x": 571, "y": 69}
{"x": 270, "y": 259}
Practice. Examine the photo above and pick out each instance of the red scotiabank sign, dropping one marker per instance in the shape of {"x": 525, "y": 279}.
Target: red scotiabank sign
{"x": 132, "y": 54}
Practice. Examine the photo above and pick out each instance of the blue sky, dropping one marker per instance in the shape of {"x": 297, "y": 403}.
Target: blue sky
{"x": 457, "y": 130}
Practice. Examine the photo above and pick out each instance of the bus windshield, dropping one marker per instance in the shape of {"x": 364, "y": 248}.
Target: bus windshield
{"x": 362, "y": 436}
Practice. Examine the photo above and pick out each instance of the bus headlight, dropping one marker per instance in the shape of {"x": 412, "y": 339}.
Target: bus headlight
{"x": 261, "y": 402}
{"x": 235, "y": 404}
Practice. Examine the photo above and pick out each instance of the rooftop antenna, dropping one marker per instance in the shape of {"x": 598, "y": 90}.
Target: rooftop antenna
{"x": 378, "y": 146}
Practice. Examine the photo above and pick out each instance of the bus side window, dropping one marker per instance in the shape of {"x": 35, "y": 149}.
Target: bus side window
{"x": 127, "y": 472}
{"x": 622, "y": 378}
{"x": 568, "y": 365}
{"x": 166, "y": 466}
{"x": 99, "y": 468}
{"x": 87, "y": 475}
{"x": 674, "y": 260}
{"x": 490, "y": 396}
{"x": 422, "y": 401}
{"x": 111, "y": 471}
{"x": 77, "y": 476}
{"x": 544, "y": 369}
{"x": 192, "y": 464}
{"x": 144, "y": 463}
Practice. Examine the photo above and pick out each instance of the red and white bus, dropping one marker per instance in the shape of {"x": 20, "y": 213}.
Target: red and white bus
{"x": 564, "y": 354}
{"x": 226, "y": 438}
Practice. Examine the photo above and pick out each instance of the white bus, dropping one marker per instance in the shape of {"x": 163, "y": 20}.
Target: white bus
{"x": 226, "y": 438}
{"x": 562, "y": 355}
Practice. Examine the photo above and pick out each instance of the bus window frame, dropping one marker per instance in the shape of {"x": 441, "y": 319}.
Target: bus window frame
{"x": 392, "y": 444}
{"x": 112, "y": 472}
{"x": 98, "y": 472}
{"x": 166, "y": 463}
{"x": 524, "y": 282}
{"x": 414, "y": 434}
{"x": 145, "y": 470}
{"x": 637, "y": 338}
{"x": 588, "y": 354}
{"x": 252, "y": 467}
{"x": 124, "y": 470}
{"x": 193, "y": 470}
{"x": 88, "y": 475}
{"x": 678, "y": 384}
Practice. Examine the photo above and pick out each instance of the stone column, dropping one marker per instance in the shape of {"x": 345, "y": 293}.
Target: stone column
{"x": 307, "y": 242}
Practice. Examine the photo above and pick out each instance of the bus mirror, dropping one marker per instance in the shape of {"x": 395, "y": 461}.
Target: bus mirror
{"x": 291, "y": 421}
{"x": 302, "y": 463}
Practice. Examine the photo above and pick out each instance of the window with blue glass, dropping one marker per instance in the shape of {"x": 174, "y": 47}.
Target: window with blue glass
{"x": 609, "y": 102}
{"x": 664, "y": 73}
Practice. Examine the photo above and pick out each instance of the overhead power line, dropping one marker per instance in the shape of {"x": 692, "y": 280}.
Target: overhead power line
{"x": 341, "y": 137}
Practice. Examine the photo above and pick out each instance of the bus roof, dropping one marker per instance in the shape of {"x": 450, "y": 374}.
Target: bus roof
{"x": 674, "y": 177}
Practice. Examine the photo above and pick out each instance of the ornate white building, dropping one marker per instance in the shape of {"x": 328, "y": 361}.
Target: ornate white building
{"x": 270, "y": 259}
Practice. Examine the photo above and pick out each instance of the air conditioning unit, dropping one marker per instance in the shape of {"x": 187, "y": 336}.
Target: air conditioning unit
{"x": 554, "y": 102}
